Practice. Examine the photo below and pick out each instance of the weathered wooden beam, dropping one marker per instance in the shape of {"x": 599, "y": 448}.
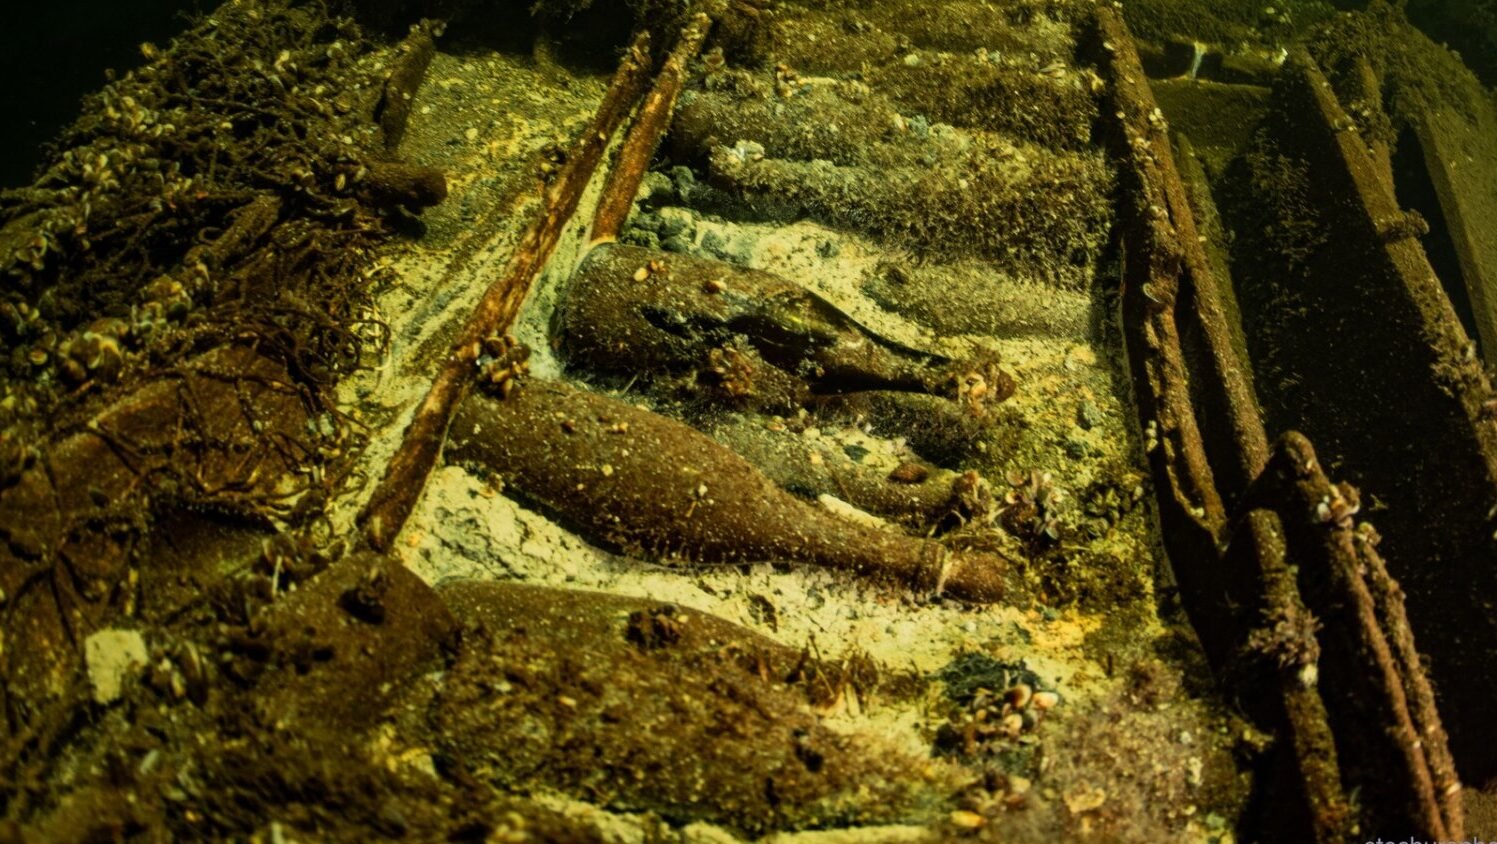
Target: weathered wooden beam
{"x": 1274, "y": 668}
{"x": 1391, "y": 390}
{"x": 1394, "y": 753}
{"x": 1362, "y": 729}
{"x": 1458, "y": 156}
{"x": 1368, "y": 93}
{"x": 1156, "y": 227}
{"x": 1163, "y": 198}
{"x": 1153, "y": 260}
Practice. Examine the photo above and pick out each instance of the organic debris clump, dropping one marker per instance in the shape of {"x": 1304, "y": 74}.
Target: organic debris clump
{"x": 184, "y": 284}
{"x": 221, "y": 193}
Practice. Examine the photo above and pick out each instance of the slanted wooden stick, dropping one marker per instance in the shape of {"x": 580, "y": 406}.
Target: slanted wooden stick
{"x": 387, "y": 510}
{"x": 644, "y": 136}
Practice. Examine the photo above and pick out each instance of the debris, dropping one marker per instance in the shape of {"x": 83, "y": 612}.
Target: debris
{"x": 112, "y": 656}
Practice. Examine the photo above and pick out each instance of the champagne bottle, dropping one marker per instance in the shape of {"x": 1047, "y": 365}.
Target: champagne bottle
{"x": 647, "y": 485}
{"x": 630, "y": 311}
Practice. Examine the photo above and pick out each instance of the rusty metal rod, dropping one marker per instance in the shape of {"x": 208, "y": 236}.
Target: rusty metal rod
{"x": 395, "y": 496}
{"x": 645, "y": 134}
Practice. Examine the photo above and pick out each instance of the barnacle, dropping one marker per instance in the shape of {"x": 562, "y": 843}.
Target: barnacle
{"x": 1031, "y": 507}
{"x": 502, "y": 363}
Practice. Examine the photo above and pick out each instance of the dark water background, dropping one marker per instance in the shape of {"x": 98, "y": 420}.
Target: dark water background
{"x": 1468, "y": 26}
{"x": 52, "y": 52}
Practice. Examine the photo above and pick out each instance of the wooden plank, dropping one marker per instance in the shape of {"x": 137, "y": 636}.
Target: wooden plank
{"x": 1460, "y": 156}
